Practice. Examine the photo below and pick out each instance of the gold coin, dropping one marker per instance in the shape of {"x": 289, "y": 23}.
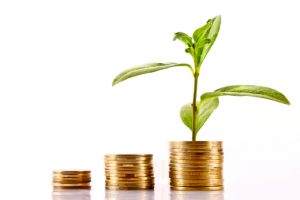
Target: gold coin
{"x": 128, "y": 157}
{"x": 71, "y": 187}
{"x": 128, "y": 165}
{"x": 144, "y": 184}
{"x": 70, "y": 181}
{"x": 71, "y": 178}
{"x": 130, "y": 179}
{"x": 116, "y": 171}
{"x": 196, "y": 147}
{"x": 117, "y": 181}
{"x": 71, "y": 172}
{"x": 196, "y": 173}
{"x": 132, "y": 162}
{"x": 71, "y": 175}
{"x": 129, "y": 175}
{"x": 195, "y": 165}
{"x": 126, "y": 183}
{"x": 196, "y": 162}
{"x": 195, "y": 184}
{"x": 200, "y": 150}
{"x": 193, "y": 177}
{"x": 199, "y": 168}
{"x": 194, "y": 154}
{"x": 126, "y": 170}
{"x": 210, "y": 180}
{"x": 129, "y": 188}
{"x": 195, "y": 143}
{"x": 197, "y": 188}
{"x": 130, "y": 184}
{"x": 189, "y": 157}
{"x": 70, "y": 184}
{"x": 129, "y": 171}
{"x": 201, "y": 182}
{"x": 203, "y": 153}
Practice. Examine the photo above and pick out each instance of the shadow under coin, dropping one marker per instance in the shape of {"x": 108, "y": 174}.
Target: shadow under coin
{"x": 193, "y": 195}
{"x": 129, "y": 194}
{"x": 71, "y": 195}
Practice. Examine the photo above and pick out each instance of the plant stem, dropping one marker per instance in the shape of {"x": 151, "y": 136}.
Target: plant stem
{"x": 194, "y": 106}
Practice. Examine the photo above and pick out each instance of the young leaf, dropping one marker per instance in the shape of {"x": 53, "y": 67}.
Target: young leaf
{"x": 248, "y": 90}
{"x": 183, "y": 37}
{"x": 204, "y": 109}
{"x": 201, "y": 32}
{"x": 146, "y": 68}
{"x": 212, "y": 36}
{"x": 200, "y": 39}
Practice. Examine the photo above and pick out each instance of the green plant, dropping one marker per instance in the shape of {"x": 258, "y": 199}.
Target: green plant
{"x": 194, "y": 115}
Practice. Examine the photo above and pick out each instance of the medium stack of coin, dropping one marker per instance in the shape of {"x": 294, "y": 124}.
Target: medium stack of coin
{"x": 71, "y": 180}
{"x": 196, "y": 166}
{"x": 129, "y": 172}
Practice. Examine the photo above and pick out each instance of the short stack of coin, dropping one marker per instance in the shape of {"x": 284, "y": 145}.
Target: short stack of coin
{"x": 129, "y": 172}
{"x": 196, "y": 166}
{"x": 79, "y": 180}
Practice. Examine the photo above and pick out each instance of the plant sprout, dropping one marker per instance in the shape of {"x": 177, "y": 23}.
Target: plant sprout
{"x": 195, "y": 114}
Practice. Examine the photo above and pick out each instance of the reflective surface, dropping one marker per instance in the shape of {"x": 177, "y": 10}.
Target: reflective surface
{"x": 159, "y": 194}
{"x": 71, "y": 195}
{"x": 139, "y": 195}
{"x": 129, "y": 195}
{"x": 193, "y": 195}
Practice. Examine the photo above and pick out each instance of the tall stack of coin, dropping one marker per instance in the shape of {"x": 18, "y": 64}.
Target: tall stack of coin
{"x": 71, "y": 180}
{"x": 196, "y": 165}
{"x": 129, "y": 172}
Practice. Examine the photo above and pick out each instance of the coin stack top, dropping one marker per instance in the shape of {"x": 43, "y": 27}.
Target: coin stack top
{"x": 129, "y": 172}
{"x": 196, "y": 165}
{"x": 79, "y": 180}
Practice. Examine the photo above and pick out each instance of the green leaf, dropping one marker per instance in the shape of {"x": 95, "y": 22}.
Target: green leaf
{"x": 212, "y": 35}
{"x": 201, "y": 43}
{"x": 183, "y": 37}
{"x": 204, "y": 109}
{"x": 145, "y": 69}
{"x": 186, "y": 114}
{"x": 248, "y": 90}
{"x": 200, "y": 33}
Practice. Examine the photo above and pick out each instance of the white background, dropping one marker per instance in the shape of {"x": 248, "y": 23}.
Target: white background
{"x": 58, "y": 109}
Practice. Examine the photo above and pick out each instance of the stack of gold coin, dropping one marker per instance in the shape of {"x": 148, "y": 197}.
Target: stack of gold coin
{"x": 71, "y": 180}
{"x": 196, "y": 165}
{"x": 129, "y": 172}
